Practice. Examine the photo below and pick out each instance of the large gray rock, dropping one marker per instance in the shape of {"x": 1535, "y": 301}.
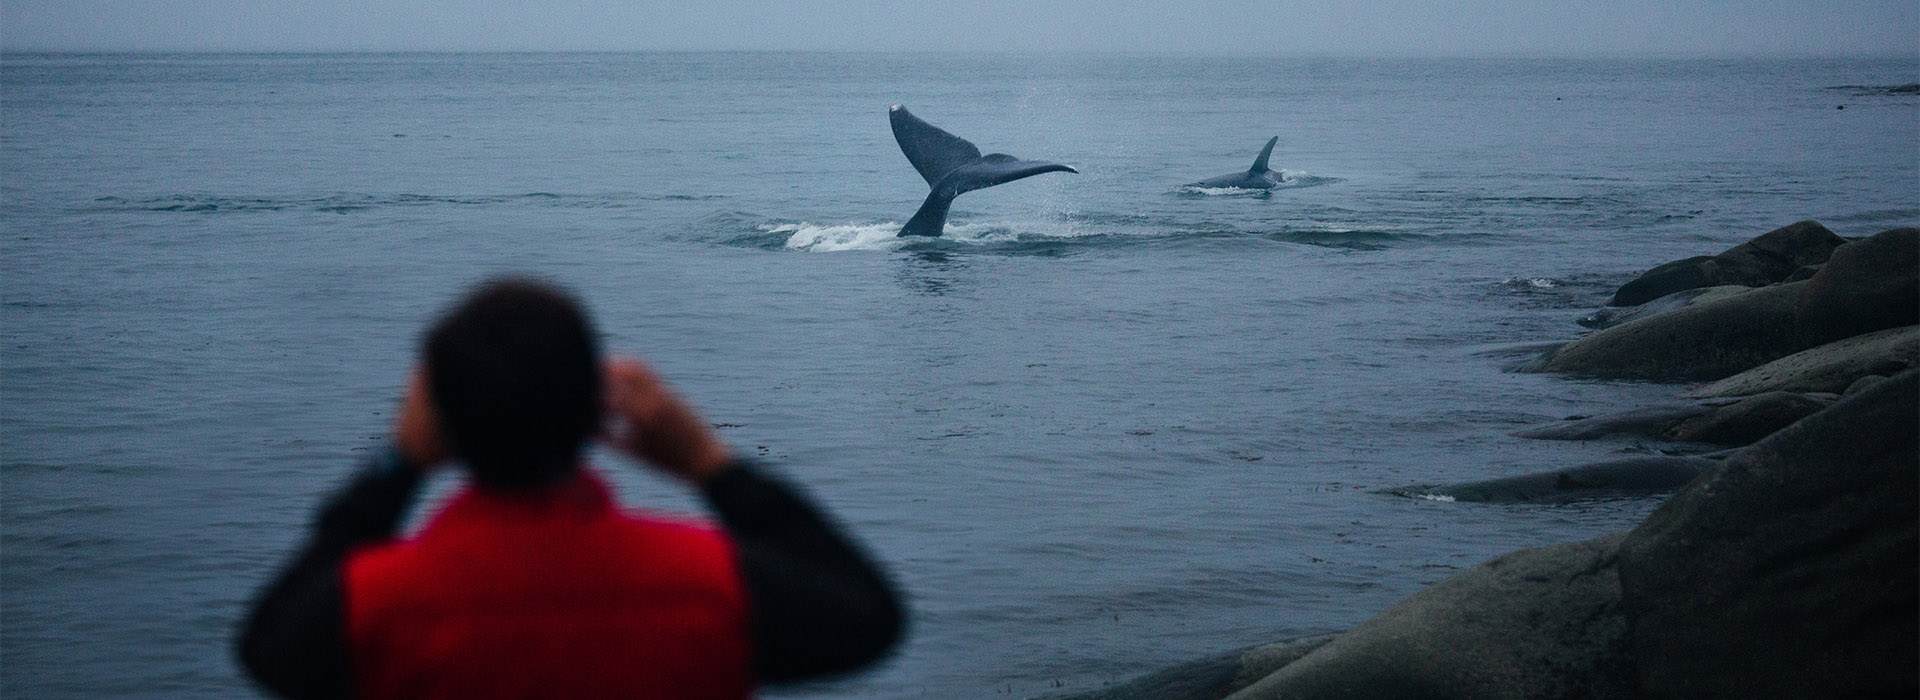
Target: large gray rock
{"x": 1210, "y": 678}
{"x": 1537, "y": 623}
{"x": 1829, "y": 368}
{"x": 1793, "y": 569}
{"x": 1869, "y": 284}
{"x": 1748, "y": 420}
{"x": 1700, "y": 342}
{"x": 1770, "y": 258}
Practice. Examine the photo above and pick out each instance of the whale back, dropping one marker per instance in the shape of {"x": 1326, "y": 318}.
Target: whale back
{"x": 931, "y": 150}
{"x": 1260, "y": 164}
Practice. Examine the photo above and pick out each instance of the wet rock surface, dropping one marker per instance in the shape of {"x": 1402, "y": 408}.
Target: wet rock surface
{"x": 1699, "y": 342}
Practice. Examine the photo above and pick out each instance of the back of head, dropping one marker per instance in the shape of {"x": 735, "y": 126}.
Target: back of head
{"x": 515, "y": 375}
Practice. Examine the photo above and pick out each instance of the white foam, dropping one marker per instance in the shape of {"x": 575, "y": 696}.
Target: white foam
{"x": 886, "y": 236}
{"x": 1221, "y": 191}
{"x": 1532, "y": 283}
{"x": 831, "y": 238}
{"x": 1441, "y": 497}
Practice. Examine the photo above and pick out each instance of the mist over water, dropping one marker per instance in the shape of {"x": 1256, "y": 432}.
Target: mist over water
{"x": 1104, "y": 425}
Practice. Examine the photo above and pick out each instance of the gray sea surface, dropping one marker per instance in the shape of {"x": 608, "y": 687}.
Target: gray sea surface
{"x": 1105, "y": 425}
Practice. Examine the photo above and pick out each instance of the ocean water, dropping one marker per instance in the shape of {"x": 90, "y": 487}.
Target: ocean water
{"x": 1106, "y": 424}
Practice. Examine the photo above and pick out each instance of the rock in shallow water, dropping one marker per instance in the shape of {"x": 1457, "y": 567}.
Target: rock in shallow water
{"x": 1210, "y": 678}
{"x": 1652, "y": 421}
{"x": 1700, "y": 342}
{"x": 1537, "y": 623}
{"x": 1769, "y": 258}
{"x": 1632, "y": 476}
{"x": 1614, "y": 316}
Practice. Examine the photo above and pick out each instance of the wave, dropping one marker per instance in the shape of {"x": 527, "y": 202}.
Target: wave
{"x": 1907, "y": 89}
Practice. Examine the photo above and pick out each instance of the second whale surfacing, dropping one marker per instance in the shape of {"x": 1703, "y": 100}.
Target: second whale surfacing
{"x": 952, "y": 166}
{"x": 1258, "y": 177}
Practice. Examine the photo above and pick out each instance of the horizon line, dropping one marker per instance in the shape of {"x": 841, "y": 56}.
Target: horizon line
{"x": 1515, "y": 54}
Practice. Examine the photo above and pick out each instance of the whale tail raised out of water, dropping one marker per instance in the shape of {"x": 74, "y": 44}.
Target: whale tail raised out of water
{"x": 953, "y": 166}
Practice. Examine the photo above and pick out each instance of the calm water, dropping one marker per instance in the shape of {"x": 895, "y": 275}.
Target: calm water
{"x": 1106, "y": 425}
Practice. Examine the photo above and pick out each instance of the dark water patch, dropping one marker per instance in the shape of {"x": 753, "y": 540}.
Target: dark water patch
{"x": 349, "y": 203}
{"x": 1907, "y": 89}
{"x": 1364, "y": 239}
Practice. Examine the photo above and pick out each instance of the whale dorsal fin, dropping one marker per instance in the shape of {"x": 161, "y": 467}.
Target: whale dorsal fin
{"x": 931, "y": 150}
{"x": 1260, "y": 164}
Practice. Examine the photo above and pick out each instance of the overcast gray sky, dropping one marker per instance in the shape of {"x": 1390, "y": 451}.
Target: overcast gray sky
{"x": 1389, "y": 27}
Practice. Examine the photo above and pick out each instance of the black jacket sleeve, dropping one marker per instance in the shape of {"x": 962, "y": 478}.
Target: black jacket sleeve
{"x": 294, "y": 642}
{"x": 819, "y": 605}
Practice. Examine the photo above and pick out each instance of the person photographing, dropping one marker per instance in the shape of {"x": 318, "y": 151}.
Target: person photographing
{"x": 532, "y": 581}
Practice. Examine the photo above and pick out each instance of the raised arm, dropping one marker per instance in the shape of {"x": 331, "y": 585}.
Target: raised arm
{"x": 293, "y": 641}
{"x": 820, "y": 605}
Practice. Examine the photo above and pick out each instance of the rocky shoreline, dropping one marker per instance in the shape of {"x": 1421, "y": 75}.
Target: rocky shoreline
{"x": 1787, "y": 564}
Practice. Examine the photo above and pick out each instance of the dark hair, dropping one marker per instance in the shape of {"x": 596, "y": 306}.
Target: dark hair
{"x": 515, "y": 375}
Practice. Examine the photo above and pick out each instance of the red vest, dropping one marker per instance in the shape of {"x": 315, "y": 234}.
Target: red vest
{"x": 550, "y": 595}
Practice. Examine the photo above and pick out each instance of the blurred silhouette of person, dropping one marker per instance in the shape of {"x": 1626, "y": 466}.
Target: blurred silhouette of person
{"x": 532, "y": 581}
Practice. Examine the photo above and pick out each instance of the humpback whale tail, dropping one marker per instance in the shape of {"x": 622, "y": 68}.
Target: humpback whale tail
{"x": 1260, "y": 164}
{"x": 953, "y": 166}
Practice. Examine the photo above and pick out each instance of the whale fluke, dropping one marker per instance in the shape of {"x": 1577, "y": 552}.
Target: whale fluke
{"x": 1258, "y": 177}
{"x": 952, "y": 166}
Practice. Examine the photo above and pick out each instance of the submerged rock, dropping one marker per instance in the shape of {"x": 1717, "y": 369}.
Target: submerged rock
{"x": 1612, "y": 316}
{"x": 1828, "y": 368}
{"x": 1210, "y": 678}
{"x": 1792, "y": 570}
{"x": 1622, "y": 477}
{"x": 1748, "y": 420}
{"x": 1652, "y": 421}
{"x": 1769, "y": 258}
